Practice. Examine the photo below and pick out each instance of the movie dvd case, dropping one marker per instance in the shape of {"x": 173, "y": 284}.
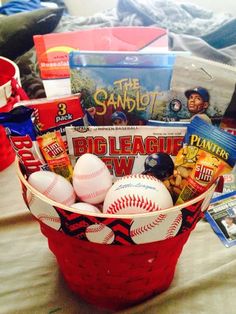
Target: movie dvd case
{"x": 122, "y": 88}
{"x": 52, "y": 50}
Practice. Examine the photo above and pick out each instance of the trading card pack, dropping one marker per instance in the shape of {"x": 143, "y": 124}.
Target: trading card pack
{"x": 200, "y": 87}
{"x": 221, "y": 215}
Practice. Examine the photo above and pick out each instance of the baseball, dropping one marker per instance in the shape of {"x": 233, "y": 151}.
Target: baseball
{"x": 135, "y": 194}
{"x": 85, "y": 207}
{"x": 99, "y": 233}
{"x": 53, "y": 186}
{"x": 91, "y": 179}
{"x": 43, "y": 211}
{"x": 157, "y": 228}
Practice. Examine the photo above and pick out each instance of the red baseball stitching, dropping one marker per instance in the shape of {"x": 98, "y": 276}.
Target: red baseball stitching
{"x": 69, "y": 200}
{"x": 50, "y": 187}
{"x": 89, "y": 175}
{"x": 95, "y": 229}
{"x": 108, "y": 237}
{"x": 47, "y": 192}
{"x": 50, "y": 218}
{"x": 150, "y": 226}
{"x": 135, "y": 201}
{"x": 173, "y": 226}
{"x": 140, "y": 176}
{"x": 92, "y": 195}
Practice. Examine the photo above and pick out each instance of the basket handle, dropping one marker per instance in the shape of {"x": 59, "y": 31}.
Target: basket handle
{"x": 18, "y": 91}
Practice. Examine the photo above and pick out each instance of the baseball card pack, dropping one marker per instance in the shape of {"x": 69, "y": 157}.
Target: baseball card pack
{"x": 124, "y": 149}
{"x": 202, "y": 87}
{"x": 221, "y": 215}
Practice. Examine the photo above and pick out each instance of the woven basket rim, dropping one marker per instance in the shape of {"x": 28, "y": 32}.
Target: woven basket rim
{"x": 169, "y": 210}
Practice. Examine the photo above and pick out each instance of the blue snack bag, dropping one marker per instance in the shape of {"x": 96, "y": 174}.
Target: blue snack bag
{"x": 22, "y": 135}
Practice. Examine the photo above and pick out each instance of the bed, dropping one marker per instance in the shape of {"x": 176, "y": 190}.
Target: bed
{"x": 31, "y": 282}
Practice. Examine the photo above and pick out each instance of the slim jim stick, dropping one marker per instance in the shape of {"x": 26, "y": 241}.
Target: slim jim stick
{"x": 54, "y": 152}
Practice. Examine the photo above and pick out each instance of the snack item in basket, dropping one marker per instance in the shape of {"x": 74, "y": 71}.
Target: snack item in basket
{"x": 137, "y": 194}
{"x": 53, "y": 186}
{"x": 209, "y": 152}
{"x": 53, "y": 149}
{"x": 54, "y": 114}
{"x": 124, "y": 149}
{"x": 91, "y": 179}
{"x": 22, "y": 135}
{"x": 160, "y": 165}
{"x": 85, "y": 207}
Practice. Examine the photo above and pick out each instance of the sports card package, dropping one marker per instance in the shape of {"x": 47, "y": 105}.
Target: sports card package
{"x": 124, "y": 88}
{"x": 53, "y": 49}
{"x": 124, "y": 149}
{"x": 221, "y": 215}
{"x": 199, "y": 86}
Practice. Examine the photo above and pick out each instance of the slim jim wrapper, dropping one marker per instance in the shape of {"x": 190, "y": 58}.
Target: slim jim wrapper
{"x": 207, "y": 153}
{"x": 53, "y": 149}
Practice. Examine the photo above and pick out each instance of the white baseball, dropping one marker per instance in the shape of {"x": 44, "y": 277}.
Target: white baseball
{"x": 91, "y": 179}
{"x": 99, "y": 233}
{"x": 85, "y": 207}
{"x": 137, "y": 194}
{"x": 43, "y": 211}
{"x": 151, "y": 229}
{"x": 53, "y": 186}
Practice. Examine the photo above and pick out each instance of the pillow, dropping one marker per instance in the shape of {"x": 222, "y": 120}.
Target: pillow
{"x": 17, "y": 30}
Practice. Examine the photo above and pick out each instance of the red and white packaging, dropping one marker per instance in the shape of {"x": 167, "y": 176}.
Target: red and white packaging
{"x": 124, "y": 149}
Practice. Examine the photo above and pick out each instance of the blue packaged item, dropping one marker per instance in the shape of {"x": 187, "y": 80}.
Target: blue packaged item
{"x": 221, "y": 215}
{"x": 123, "y": 88}
{"x": 22, "y": 135}
{"x": 207, "y": 153}
{"x": 18, "y": 122}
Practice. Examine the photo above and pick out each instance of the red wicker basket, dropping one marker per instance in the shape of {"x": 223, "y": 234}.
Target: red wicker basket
{"x": 10, "y": 93}
{"x": 116, "y": 274}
